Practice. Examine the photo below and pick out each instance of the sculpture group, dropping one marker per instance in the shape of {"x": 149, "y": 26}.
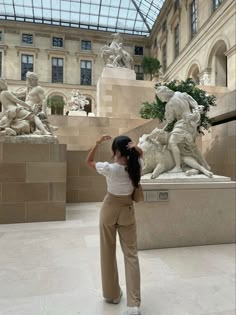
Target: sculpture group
{"x": 26, "y": 117}
{"x": 77, "y": 101}
{"x": 115, "y": 56}
{"x": 175, "y": 151}
{"x": 24, "y": 113}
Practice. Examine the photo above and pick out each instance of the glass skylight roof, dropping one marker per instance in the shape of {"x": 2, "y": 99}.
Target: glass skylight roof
{"x": 124, "y": 16}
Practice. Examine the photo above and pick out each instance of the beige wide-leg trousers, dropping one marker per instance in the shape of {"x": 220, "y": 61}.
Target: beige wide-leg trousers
{"x": 117, "y": 214}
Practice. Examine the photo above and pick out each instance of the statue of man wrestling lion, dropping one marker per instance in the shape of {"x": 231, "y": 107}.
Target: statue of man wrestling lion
{"x": 175, "y": 151}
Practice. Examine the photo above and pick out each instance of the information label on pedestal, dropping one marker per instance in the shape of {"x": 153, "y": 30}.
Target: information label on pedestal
{"x": 156, "y": 195}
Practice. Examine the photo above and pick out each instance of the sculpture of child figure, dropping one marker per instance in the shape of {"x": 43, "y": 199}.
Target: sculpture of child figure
{"x": 17, "y": 119}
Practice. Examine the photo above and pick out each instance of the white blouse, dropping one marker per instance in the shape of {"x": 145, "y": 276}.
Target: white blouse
{"x": 118, "y": 181}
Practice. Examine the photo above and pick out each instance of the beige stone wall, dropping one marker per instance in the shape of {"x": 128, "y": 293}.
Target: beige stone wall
{"x": 120, "y": 95}
{"x": 32, "y": 182}
{"x": 205, "y": 53}
{"x": 80, "y": 133}
{"x": 84, "y": 184}
{"x": 218, "y": 147}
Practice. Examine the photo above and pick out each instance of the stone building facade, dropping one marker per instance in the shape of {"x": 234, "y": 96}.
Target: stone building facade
{"x": 196, "y": 38}
{"x": 64, "y": 58}
{"x": 191, "y": 38}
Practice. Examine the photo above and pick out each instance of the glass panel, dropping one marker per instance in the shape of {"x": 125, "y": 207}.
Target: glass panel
{"x": 38, "y": 12}
{"x": 138, "y": 50}
{"x": 216, "y": 4}
{"x": 90, "y": 14}
{"x": 54, "y": 61}
{"x": 27, "y": 39}
{"x": 89, "y": 65}
{"x": 193, "y": 12}
{"x": 139, "y": 72}
{"x": 164, "y": 58}
{"x": 57, "y": 42}
{"x": 176, "y": 40}
{"x": 85, "y": 76}
{"x": 60, "y": 62}
{"x": 57, "y": 70}
{"x": 26, "y": 65}
{"x": 85, "y": 72}
{"x": 9, "y": 9}
{"x": 30, "y": 59}
{"x": 86, "y": 45}
{"x": 0, "y": 64}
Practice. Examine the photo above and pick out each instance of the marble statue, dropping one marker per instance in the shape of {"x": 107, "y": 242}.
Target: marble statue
{"x": 175, "y": 151}
{"x": 77, "y": 101}
{"x": 17, "y": 117}
{"x": 34, "y": 95}
{"x": 205, "y": 79}
{"x": 115, "y": 55}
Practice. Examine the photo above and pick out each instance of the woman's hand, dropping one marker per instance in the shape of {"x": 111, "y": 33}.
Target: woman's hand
{"x": 131, "y": 145}
{"x": 91, "y": 156}
{"x": 103, "y": 139}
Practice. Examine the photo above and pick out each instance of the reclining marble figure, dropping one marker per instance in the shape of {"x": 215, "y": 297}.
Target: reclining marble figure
{"x": 17, "y": 116}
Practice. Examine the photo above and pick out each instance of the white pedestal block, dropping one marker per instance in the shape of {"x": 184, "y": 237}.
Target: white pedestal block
{"x": 186, "y": 214}
{"x": 118, "y": 73}
{"x": 91, "y": 115}
{"x": 78, "y": 113}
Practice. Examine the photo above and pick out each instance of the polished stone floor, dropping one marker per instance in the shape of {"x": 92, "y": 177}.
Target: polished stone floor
{"x": 53, "y": 269}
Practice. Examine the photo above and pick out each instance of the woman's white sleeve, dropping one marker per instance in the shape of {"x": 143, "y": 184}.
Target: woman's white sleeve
{"x": 103, "y": 168}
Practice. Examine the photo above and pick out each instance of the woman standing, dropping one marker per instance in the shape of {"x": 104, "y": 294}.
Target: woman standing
{"x": 117, "y": 215}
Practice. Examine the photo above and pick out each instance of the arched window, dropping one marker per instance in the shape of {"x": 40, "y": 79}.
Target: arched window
{"x": 56, "y": 103}
{"x": 218, "y": 63}
{"x": 88, "y": 107}
{"x": 194, "y": 73}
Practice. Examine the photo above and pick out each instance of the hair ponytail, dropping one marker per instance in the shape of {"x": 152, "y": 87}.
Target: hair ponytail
{"x": 133, "y": 166}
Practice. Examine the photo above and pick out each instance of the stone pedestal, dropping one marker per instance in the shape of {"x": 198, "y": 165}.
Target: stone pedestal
{"x": 120, "y": 95}
{"x": 80, "y": 113}
{"x": 32, "y": 182}
{"x": 186, "y": 214}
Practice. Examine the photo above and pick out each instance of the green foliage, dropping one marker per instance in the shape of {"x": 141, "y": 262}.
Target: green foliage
{"x": 157, "y": 108}
{"x": 56, "y": 103}
{"x": 151, "y": 66}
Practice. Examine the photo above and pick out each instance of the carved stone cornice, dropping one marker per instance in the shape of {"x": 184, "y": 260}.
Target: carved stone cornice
{"x": 26, "y": 48}
{"x": 57, "y": 52}
{"x": 137, "y": 59}
{"x": 88, "y": 54}
{"x": 4, "y": 48}
{"x": 231, "y": 51}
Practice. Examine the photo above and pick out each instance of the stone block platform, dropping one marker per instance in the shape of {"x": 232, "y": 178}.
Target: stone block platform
{"x": 120, "y": 95}
{"x": 177, "y": 214}
{"x": 32, "y": 182}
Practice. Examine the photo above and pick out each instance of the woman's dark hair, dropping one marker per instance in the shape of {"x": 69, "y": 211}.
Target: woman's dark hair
{"x": 133, "y": 167}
